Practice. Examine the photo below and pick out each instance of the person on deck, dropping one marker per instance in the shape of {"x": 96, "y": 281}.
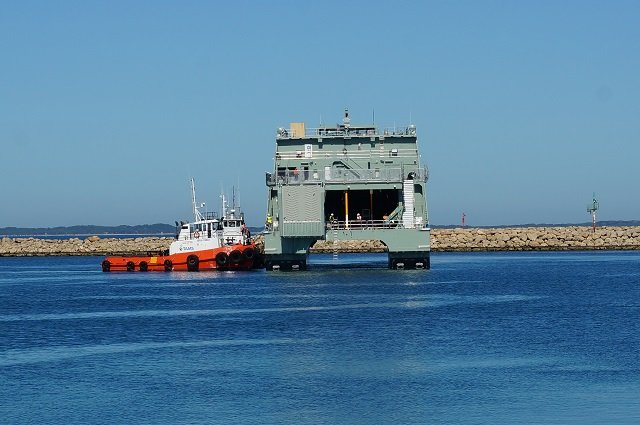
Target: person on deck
{"x": 246, "y": 234}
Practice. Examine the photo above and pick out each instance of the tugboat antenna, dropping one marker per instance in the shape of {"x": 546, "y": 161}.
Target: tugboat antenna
{"x": 238, "y": 206}
{"x": 196, "y": 213}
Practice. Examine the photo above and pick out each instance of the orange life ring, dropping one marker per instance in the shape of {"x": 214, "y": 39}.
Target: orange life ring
{"x": 196, "y": 234}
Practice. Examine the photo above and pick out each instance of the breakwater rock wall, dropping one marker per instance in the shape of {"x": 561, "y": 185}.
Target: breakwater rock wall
{"x": 467, "y": 239}
{"x": 536, "y": 239}
{"x": 93, "y": 245}
{"x": 327, "y": 247}
{"x": 509, "y": 239}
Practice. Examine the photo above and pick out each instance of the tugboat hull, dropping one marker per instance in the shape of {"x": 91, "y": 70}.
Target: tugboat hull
{"x": 234, "y": 257}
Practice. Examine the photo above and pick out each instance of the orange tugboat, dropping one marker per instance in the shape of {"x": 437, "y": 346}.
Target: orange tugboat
{"x": 208, "y": 243}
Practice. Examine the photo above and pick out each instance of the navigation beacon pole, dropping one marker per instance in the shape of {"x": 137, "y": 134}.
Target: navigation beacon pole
{"x": 591, "y": 209}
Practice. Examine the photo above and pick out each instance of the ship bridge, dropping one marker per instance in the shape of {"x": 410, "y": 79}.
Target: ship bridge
{"x": 346, "y": 182}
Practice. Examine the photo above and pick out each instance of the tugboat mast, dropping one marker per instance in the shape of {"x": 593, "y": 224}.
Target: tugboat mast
{"x": 197, "y": 215}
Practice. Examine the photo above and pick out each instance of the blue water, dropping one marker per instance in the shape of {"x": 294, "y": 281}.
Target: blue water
{"x": 504, "y": 338}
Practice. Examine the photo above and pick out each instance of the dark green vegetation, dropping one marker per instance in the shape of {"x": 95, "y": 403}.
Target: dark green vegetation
{"x": 168, "y": 229}
{"x": 141, "y": 229}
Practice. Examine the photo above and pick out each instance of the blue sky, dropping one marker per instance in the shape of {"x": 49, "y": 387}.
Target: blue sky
{"x": 523, "y": 109}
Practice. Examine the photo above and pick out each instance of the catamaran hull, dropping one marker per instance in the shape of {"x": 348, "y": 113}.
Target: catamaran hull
{"x": 233, "y": 257}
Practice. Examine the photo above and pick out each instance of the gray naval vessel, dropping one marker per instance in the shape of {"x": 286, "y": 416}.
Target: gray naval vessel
{"x": 346, "y": 182}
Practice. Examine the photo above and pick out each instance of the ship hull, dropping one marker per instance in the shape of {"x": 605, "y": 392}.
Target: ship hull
{"x": 231, "y": 257}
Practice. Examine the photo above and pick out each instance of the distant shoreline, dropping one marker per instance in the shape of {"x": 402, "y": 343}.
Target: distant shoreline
{"x": 84, "y": 231}
{"x": 168, "y": 230}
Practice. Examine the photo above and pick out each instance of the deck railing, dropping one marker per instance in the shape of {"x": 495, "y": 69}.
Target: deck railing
{"x": 355, "y": 154}
{"x": 342, "y": 131}
{"x": 346, "y": 175}
{"x": 355, "y": 224}
{"x": 363, "y": 225}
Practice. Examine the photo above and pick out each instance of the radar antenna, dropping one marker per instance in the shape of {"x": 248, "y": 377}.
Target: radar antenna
{"x": 346, "y": 121}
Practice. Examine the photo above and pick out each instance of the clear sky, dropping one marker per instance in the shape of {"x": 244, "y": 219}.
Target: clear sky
{"x": 523, "y": 108}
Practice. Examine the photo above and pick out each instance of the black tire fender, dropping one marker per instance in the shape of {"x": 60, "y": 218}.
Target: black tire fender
{"x": 221, "y": 259}
{"x": 235, "y": 256}
{"x": 249, "y": 253}
{"x": 168, "y": 265}
{"x": 192, "y": 263}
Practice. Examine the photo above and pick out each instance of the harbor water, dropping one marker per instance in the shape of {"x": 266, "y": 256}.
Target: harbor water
{"x": 481, "y": 338}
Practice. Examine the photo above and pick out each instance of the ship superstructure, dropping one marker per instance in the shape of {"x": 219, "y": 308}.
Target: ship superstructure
{"x": 346, "y": 182}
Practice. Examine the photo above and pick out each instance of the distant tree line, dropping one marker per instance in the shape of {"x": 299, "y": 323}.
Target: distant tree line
{"x": 140, "y": 229}
{"x": 169, "y": 229}
{"x": 600, "y": 223}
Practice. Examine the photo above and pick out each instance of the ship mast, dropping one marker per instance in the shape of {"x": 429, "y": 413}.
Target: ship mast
{"x": 197, "y": 215}
{"x": 224, "y": 205}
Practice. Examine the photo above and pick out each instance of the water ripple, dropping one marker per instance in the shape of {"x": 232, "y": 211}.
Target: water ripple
{"x": 38, "y": 355}
{"x": 412, "y": 302}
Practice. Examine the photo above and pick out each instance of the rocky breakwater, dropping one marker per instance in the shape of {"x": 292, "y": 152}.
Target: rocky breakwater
{"x": 536, "y": 239}
{"x": 460, "y": 239}
{"x": 92, "y": 245}
{"x": 325, "y": 247}
{"x": 509, "y": 239}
